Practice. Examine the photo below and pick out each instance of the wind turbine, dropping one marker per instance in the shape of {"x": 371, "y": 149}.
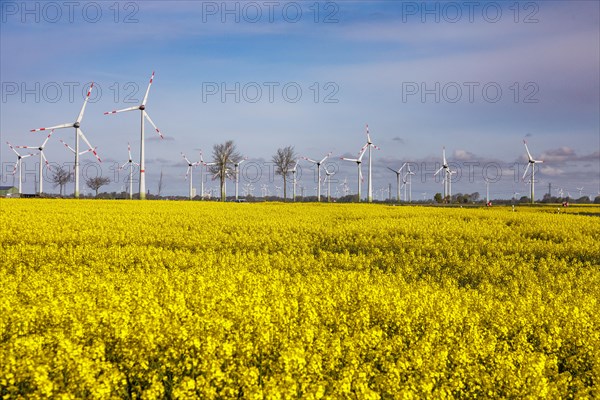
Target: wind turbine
{"x": 328, "y": 176}
{"x": 345, "y": 187}
{"x": 370, "y": 181}
{"x": 131, "y": 164}
{"x": 42, "y": 159}
{"x": 144, "y": 114}
{"x": 580, "y": 191}
{"x": 237, "y": 175}
{"x": 358, "y": 162}
{"x": 446, "y": 170}
{"x": 78, "y": 133}
{"x": 531, "y": 164}
{"x": 409, "y": 174}
{"x": 318, "y": 163}
{"x": 203, "y": 166}
{"x": 190, "y": 172}
{"x": 264, "y": 189}
{"x": 18, "y": 164}
{"x": 294, "y": 171}
{"x": 398, "y": 174}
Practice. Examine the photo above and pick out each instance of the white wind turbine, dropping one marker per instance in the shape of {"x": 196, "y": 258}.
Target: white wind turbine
{"x": 294, "y": 181}
{"x": 18, "y": 164}
{"x": 237, "y": 176}
{"x": 190, "y": 173}
{"x": 580, "y": 190}
{"x": 144, "y": 114}
{"x": 264, "y": 189}
{"x": 42, "y": 159}
{"x": 131, "y": 164}
{"x": 450, "y": 173}
{"x": 515, "y": 193}
{"x": 447, "y": 173}
{"x": 358, "y": 162}
{"x": 398, "y": 174}
{"x": 203, "y": 166}
{"x": 78, "y": 133}
{"x": 345, "y": 187}
{"x": 328, "y": 176}
{"x": 531, "y": 163}
{"x": 370, "y": 181}
{"x": 318, "y": 163}
{"x": 409, "y": 175}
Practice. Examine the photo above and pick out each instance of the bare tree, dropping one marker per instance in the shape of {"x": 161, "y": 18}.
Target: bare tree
{"x": 160, "y": 183}
{"x": 224, "y": 157}
{"x": 284, "y": 161}
{"x": 60, "y": 177}
{"x": 96, "y": 183}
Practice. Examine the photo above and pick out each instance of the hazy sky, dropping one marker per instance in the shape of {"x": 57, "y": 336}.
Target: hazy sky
{"x": 477, "y": 77}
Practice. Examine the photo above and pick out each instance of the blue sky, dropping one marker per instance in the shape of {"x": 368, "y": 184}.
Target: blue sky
{"x": 355, "y": 63}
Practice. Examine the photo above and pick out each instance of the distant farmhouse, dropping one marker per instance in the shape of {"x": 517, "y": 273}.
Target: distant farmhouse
{"x": 8, "y": 191}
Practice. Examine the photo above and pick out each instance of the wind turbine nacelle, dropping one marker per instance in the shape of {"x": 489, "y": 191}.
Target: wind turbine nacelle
{"x": 142, "y": 107}
{"x": 76, "y": 125}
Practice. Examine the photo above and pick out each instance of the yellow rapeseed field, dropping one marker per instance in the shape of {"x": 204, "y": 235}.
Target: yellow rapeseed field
{"x": 159, "y": 299}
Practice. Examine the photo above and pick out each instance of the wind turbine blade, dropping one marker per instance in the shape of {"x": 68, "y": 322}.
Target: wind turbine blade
{"x": 393, "y": 170}
{"x": 186, "y": 159}
{"x": 129, "y": 150}
{"x": 438, "y": 171}
{"x": 375, "y": 147}
{"x": 527, "y": 150}
{"x": 122, "y": 110}
{"x": 26, "y": 147}
{"x": 53, "y": 127}
{"x": 309, "y": 160}
{"x": 153, "y": 124}
{"x": 526, "y": 169}
{"x": 187, "y": 172}
{"x": 444, "y": 155}
{"x": 148, "y": 89}
{"x": 47, "y": 138}
{"x": 123, "y": 166}
{"x": 325, "y": 158}
{"x": 29, "y": 155}
{"x": 80, "y": 116}
{"x": 46, "y": 161}
{"x": 350, "y": 159}
{"x": 91, "y": 148}
{"x": 368, "y": 135}
{"x": 67, "y": 146}
{"x": 13, "y": 149}
{"x": 360, "y": 175}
